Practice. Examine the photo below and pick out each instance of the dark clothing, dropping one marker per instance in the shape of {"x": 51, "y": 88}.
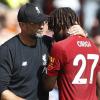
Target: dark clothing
{"x": 21, "y": 68}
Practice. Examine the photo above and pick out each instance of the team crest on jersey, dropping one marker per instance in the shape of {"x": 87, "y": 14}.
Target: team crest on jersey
{"x": 51, "y": 63}
{"x": 44, "y": 59}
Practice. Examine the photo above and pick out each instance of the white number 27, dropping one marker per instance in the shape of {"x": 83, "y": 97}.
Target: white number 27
{"x": 78, "y": 79}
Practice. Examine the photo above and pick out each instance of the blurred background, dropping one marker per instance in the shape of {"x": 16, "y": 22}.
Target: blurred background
{"x": 87, "y": 10}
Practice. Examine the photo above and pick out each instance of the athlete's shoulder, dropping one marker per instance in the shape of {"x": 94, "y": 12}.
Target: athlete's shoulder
{"x": 58, "y": 46}
{"x": 8, "y": 46}
{"x": 11, "y": 41}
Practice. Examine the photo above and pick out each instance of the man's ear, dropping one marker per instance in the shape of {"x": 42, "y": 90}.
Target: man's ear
{"x": 22, "y": 26}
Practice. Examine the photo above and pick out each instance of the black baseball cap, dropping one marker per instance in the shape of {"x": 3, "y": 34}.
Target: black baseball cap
{"x": 30, "y": 13}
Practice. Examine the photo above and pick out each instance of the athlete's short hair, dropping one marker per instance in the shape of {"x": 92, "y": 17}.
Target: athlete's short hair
{"x": 62, "y": 18}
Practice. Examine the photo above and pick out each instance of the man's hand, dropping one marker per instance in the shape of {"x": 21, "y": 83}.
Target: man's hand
{"x": 77, "y": 30}
{"x": 8, "y": 95}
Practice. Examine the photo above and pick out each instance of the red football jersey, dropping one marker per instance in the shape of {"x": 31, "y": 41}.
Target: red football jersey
{"x": 75, "y": 61}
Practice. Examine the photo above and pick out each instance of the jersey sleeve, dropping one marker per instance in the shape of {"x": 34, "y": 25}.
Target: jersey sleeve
{"x": 5, "y": 67}
{"x": 54, "y": 61}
